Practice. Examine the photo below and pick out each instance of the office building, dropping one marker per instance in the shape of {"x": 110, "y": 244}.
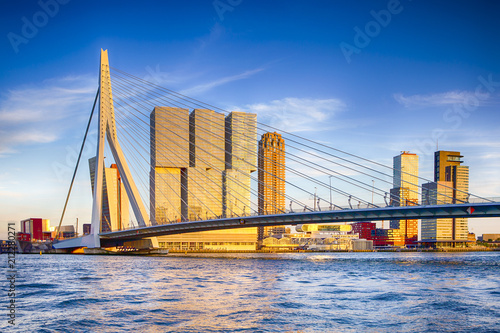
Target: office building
{"x": 35, "y": 228}
{"x": 206, "y": 142}
{"x": 67, "y": 231}
{"x": 452, "y": 186}
{"x": 490, "y": 238}
{"x": 115, "y": 204}
{"x": 193, "y": 177}
{"x": 319, "y": 237}
{"x": 436, "y": 231}
{"x": 388, "y": 237}
{"x": 87, "y": 227}
{"x": 449, "y": 164}
{"x": 271, "y": 186}
{"x": 364, "y": 229}
{"x": 443, "y": 159}
{"x": 169, "y": 142}
{"x": 241, "y": 161}
{"x": 405, "y": 192}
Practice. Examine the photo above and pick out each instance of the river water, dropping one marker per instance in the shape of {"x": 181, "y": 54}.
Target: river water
{"x": 299, "y": 292}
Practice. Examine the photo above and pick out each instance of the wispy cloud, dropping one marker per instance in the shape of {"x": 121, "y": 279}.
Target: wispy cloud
{"x": 38, "y": 114}
{"x": 296, "y": 114}
{"x": 210, "y": 85}
{"x": 216, "y": 32}
{"x": 439, "y": 99}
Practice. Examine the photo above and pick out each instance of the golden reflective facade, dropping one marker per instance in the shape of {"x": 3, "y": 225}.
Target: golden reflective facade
{"x": 323, "y": 227}
{"x": 405, "y": 193}
{"x": 169, "y": 161}
{"x": 241, "y": 161}
{"x": 433, "y": 194}
{"x": 406, "y": 175}
{"x": 194, "y": 178}
{"x": 115, "y": 204}
{"x": 271, "y": 187}
{"x": 443, "y": 159}
{"x": 206, "y": 142}
{"x": 449, "y": 171}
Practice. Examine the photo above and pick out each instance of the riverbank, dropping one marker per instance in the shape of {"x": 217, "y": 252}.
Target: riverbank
{"x": 177, "y": 252}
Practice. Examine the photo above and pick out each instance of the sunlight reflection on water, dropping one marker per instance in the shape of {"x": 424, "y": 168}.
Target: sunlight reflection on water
{"x": 309, "y": 292}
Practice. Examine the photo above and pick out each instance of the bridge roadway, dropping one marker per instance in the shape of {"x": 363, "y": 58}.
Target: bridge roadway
{"x": 478, "y": 210}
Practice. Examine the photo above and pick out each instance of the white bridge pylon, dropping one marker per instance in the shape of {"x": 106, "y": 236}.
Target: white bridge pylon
{"x": 107, "y": 129}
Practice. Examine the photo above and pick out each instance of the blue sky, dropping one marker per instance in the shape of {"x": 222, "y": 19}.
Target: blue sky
{"x": 424, "y": 72}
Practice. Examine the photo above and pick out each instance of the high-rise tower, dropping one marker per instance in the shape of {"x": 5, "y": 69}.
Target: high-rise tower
{"x": 169, "y": 163}
{"x": 115, "y": 203}
{"x": 452, "y": 186}
{"x": 443, "y": 159}
{"x": 206, "y": 141}
{"x": 193, "y": 177}
{"x": 271, "y": 180}
{"x": 405, "y": 192}
{"x": 241, "y": 161}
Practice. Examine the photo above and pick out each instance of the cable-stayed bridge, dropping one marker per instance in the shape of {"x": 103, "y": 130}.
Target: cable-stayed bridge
{"x": 182, "y": 171}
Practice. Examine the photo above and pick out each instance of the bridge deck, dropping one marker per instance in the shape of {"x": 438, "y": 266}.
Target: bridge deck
{"x": 352, "y": 215}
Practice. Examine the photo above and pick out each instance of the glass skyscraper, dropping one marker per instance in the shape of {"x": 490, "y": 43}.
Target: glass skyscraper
{"x": 452, "y": 186}
{"x": 405, "y": 192}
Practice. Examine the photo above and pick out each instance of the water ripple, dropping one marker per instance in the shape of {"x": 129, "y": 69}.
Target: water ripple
{"x": 303, "y": 292}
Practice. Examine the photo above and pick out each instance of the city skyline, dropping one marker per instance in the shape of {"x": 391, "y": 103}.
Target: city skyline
{"x": 406, "y": 89}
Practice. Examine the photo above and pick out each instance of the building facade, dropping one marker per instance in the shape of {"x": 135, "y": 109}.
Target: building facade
{"x": 388, "y": 237}
{"x": 271, "y": 184}
{"x": 115, "y": 203}
{"x": 35, "y": 228}
{"x": 169, "y": 145}
{"x": 364, "y": 229}
{"x": 241, "y": 161}
{"x": 452, "y": 186}
{"x": 318, "y": 237}
{"x": 443, "y": 159}
{"x": 405, "y": 192}
{"x": 193, "y": 177}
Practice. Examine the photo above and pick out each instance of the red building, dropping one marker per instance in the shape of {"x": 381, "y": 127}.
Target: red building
{"x": 35, "y": 227}
{"x": 364, "y": 229}
{"x": 47, "y": 235}
{"x": 23, "y": 236}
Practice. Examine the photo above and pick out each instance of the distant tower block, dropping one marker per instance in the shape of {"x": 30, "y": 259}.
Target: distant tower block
{"x": 405, "y": 193}
{"x": 452, "y": 187}
{"x": 115, "y": 212}
{"x": 271, "y": 180}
